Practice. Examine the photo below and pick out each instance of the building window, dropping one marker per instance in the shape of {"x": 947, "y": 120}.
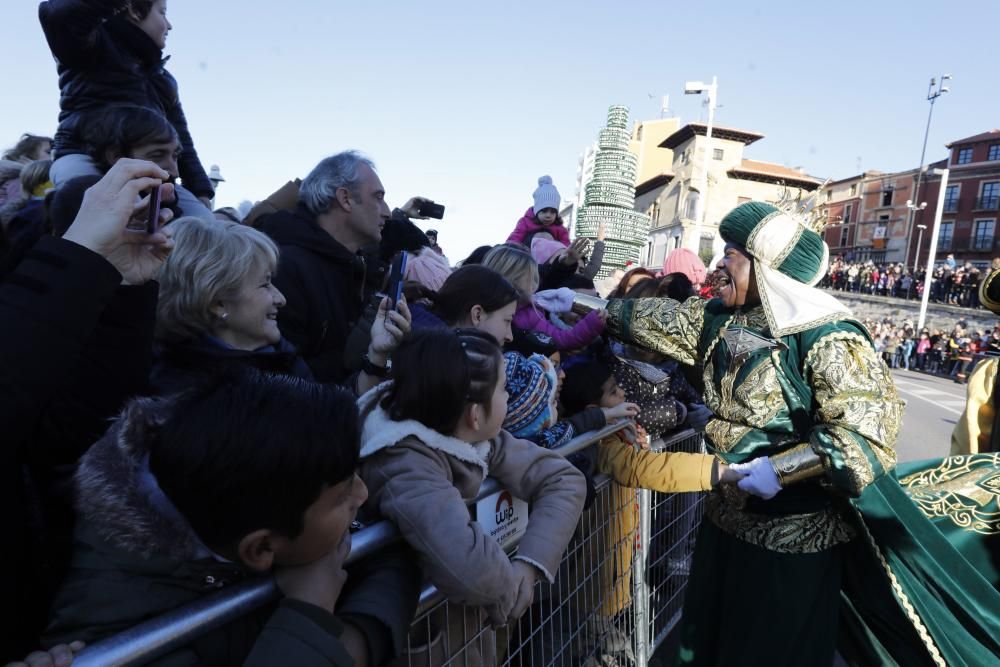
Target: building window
{"x": 848, "y": 209}
{"x": 983, "y": 236}
{"x": 716, "y": 153}
{"x": 994, "y": 152}
{"x": 828, "y": 195}
{"x": 845, "y": 236}
{"x": 691, "y": 205}
{"x": 989, "y": 196}
{"x": 854, "y": 190}
{"x": 886, "y": 195}
{"x": 964, "y": 156}
{"x": 945, "y": 234}
{"x": 951, "y": 199}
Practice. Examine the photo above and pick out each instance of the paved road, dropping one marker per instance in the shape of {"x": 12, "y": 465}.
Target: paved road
{"x": 933, "y": 405}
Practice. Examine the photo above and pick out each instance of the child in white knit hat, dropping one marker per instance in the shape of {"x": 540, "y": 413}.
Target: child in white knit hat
{"x": 542, "y": 217}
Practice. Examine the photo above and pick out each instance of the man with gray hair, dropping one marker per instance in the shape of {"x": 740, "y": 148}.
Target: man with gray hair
{"x": 341, "y": 209}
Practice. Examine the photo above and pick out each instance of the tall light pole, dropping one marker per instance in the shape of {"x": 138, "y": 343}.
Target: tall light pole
{"x": 697, "y": 88}
{"x": 932, "y": 251}
{"x": 932, "y": 95}
{"x": 920, "y": 239}
{"x": 912, "y": 209}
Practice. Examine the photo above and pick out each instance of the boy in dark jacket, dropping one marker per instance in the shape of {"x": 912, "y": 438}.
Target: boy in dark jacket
{"x": 242, "y": 476}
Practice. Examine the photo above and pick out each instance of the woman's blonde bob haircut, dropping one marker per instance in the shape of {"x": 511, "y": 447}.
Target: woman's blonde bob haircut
{"x": 210, "y": 262}
{"x": 517, "y": 266}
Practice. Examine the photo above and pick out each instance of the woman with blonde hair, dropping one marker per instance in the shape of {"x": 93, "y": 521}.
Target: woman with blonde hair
{"x": 521, "y": 270}
{"x": 218, "y": 307}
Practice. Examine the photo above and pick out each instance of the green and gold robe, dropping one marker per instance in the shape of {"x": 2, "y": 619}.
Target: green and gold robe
{"x": 844, "y": 548}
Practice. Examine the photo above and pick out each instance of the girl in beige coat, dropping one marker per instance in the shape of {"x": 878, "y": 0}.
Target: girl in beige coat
{"x": 430, "y": 438}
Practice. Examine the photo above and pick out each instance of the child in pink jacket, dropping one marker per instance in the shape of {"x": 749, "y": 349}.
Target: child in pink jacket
{"x": 521, "y": 270}
{"x": 543, "y": 216}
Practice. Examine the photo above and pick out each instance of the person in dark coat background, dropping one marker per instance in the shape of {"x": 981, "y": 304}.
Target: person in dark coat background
{"x": 110, "y": 52}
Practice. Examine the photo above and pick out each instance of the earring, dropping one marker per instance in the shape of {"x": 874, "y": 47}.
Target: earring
{"x": 224, "y": 315}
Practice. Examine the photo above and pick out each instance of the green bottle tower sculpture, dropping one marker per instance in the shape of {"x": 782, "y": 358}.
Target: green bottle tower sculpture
{"x": 610, "y": 197}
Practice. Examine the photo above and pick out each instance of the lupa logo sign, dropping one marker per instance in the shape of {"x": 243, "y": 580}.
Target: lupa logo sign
{"x": 505, "y": 507}
{"x": 502, "y": 516}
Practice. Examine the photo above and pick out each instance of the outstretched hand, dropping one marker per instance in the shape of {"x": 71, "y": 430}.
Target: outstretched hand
{"x": 622, "y": 411}
{"x": 761, "y": 479}
{"x": 412, "y": 207}
{"x": 102, "y": 224}
{"x": 57, "y": 656}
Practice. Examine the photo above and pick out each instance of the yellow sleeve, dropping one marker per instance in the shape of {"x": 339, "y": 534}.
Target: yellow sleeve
{"x": 668, "y": 472}
{"x": 973, "y": 430}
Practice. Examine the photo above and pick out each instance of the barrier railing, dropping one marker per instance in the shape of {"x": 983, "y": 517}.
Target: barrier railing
{"x": 617, "y": 594}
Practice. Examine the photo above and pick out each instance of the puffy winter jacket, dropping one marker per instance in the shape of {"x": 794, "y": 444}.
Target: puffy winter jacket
{"x": 103, "y": 59}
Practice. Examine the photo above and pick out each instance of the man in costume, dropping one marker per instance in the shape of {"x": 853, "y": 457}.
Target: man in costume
{"x": 820, "y": 547}
{"x": 977, "y": 429}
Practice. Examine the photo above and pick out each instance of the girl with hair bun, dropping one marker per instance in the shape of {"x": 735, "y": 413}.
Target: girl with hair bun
{"x": 430, "y": 438}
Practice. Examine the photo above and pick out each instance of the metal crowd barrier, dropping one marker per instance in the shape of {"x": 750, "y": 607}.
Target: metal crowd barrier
{"x": 617, "y": 595}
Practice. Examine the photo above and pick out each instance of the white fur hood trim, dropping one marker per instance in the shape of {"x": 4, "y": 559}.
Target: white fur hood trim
{"x": 380, "y": 432}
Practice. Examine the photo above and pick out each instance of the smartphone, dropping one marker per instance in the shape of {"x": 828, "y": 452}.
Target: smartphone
{"x": 431, "y": 210}
{"x": 395, "y": 289}
{"x": 153, "y": 212}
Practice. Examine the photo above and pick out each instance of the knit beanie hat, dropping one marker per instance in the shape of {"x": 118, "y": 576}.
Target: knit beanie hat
{"x": 428, "y": 268}
{"x": 682, "y": 260}
{"x": 543, "y": 249}
{"x": 531, "y": 387}
{"x": 789, "y": 258}
{"x": 546, "y": 196}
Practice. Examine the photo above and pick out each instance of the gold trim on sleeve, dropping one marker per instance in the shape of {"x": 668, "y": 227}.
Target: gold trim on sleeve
{"x": 798, "y": 463}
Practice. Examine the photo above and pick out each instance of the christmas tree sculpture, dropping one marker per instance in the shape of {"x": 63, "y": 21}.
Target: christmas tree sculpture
{"x": 609, "y": 197}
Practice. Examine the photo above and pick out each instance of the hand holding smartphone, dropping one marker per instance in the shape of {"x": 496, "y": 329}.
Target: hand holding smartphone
{"x": 396, "y": 272}
{"x": 431, "y": 210}
{"x": 153, "y": 212}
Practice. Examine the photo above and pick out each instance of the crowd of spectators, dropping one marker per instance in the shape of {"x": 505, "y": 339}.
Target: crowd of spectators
{"x": 952, "y": 353}
{"x": 951, "y": 283}
{"x": 267, "y": 394}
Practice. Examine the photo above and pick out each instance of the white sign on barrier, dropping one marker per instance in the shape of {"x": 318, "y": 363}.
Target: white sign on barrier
{"x": 502, "y": 516}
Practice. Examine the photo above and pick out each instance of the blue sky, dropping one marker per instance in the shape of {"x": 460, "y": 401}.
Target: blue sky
{"x": 468, "y": 103}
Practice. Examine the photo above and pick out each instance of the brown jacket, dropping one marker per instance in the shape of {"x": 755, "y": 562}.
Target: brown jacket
{"x": 421, "y": 480}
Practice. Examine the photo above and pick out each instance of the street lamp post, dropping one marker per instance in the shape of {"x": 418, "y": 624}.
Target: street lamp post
{"x": 932, "y": 95}
{"x": 932, "y": 250}
{"x": 697, "y": 88}
{"x": 913, "y": 208}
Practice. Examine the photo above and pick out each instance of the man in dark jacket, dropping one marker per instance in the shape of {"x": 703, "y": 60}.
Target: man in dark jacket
{"x": 110, "y": 52}
{"x": 62, "y": 372}
{"x": 323, "y": 272}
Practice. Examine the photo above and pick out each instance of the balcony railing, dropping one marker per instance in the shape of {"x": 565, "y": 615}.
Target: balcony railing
{"x": 986, "y": 203}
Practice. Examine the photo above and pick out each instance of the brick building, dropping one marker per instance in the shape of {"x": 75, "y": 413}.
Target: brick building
{"x": 971, "y": 201}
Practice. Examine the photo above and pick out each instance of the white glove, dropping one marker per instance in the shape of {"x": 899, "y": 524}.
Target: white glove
{"x": 761, "y": 480}
{"x": 555, "y": 300}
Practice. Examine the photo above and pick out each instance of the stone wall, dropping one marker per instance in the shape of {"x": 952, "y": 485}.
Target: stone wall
{"x": 899, "y": 310}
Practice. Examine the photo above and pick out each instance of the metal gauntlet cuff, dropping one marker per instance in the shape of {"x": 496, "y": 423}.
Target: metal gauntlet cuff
{"x": 584, "y": 303}
{"x": 797, "y": 464}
